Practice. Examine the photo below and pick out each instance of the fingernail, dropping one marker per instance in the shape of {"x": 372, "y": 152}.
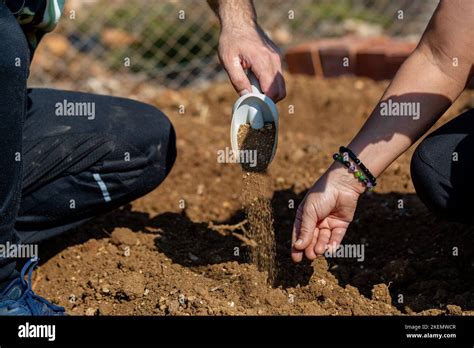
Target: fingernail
{"x": 299, "y": 242}
{"x": 244, "y": 92}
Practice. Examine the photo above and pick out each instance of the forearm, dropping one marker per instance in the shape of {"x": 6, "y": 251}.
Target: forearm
{"x": 234, "y": 13}
{"x": 428, "y": 87}
{"x": 433, "y": 77}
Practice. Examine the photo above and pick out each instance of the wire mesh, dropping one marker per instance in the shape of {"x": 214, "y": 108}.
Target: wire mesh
{"x": 173, "y": 42}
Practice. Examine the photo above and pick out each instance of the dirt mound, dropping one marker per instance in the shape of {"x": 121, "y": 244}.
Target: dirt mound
{"x": 154, "y": 257}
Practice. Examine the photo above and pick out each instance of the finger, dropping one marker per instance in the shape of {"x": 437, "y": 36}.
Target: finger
{"x": 296, "y": 255}
{"x": 280, "y": 91}
{"x": 237, "y": 75}
{"x": 280, "y": 79}
{"x": 309, "y": 251}
{"x": 336, "y": 237}
{"x": 268, "y": 78}
{"x": 281, "y": 87}
{"x": 323, "y": 240}
{"x": 307, "y": 225}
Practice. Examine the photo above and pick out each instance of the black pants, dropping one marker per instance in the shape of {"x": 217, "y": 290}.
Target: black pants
{"x": 66, "y": 157}
{"x": 442, "y": 169}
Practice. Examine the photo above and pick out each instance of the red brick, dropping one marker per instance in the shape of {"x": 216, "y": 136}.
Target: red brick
{"x": 332, "y": 56}
{"x": 305, "y": 58}
{"x": 354, "y": 44}
{"x": 300, "y": 62}
{"x": 371, "y": 62}
{"x": 375, "y": 57}
{"x": 332, "y": 59}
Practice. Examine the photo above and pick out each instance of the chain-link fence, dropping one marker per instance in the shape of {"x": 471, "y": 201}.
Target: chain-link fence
{"x": 173, "y": 42}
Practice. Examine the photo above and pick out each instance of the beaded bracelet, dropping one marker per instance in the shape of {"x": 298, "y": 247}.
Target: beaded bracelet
{"x": 361, "y": 165}
{"x": 360, "y": 172}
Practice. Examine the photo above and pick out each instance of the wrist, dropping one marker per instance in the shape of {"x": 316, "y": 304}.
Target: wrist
{"x": 340, "y": 174}
{"x": 233, "y": 25}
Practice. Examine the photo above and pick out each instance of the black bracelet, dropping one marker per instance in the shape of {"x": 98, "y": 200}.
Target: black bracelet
{"x": 361, "y": 165}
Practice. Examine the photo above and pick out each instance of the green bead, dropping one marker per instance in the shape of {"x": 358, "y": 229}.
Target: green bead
{"x": 357, "y": 174}
{"x": 362, "y": 177}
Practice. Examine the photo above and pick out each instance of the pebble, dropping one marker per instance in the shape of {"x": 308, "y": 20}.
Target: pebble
{"x": 105, "y": 308}
{"x": 133, "y": 285}
{"x": 280, "y": 180}
{"x": 173, "y": 307}
{"x": 123, "y": 236}
{"x": 453, "y": 310}
{"x": 91, "y": 311}
{"x": 381, "y": 293}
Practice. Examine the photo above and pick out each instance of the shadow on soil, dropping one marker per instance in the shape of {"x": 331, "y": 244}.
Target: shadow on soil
{"x": 427, "y": 263}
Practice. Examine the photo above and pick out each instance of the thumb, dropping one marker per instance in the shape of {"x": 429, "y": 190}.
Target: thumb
{"x": 237, "y": 76}
{"x": 305, "y": 225}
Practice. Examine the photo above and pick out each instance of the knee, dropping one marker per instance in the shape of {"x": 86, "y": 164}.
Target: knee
{"x": 432, "y": 181}
{"x": 15, "y": 57}
{"x": 157, "y": 140}
{"x": 167, "y": 146}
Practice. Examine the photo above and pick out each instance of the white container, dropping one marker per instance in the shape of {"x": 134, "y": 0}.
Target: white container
{"x": 255, "y": 109}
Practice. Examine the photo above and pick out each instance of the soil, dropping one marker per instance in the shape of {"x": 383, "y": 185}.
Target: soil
{"x": 256, "y": 202}
{"x": 258, "y": 209}
{"x": 257, "y": 141}
{"x": 154, "y": 257}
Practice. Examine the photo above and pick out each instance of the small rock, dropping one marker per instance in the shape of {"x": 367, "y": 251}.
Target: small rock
{"x": 105, "y": 308}
{"x": 133, "y": 285}
{"x": 280, "y": 180}
{"x": 321, "y": 282}
{"x": 173, "y": 307}
{"x": 453, "y": 310}
{"x": 359, "y": 85}
{"x": 111, "y": 249}
{"x": 91, "y": 311}
{"x": 381, "y": 293}
{"x": 276, "y": 298}
{"x": 298, "y": 155}
{"x": 123, "y": 236}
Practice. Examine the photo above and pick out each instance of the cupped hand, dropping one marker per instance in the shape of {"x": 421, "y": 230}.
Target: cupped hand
{"x": 250, "y": 48}
{"x": 325, "y": 213}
